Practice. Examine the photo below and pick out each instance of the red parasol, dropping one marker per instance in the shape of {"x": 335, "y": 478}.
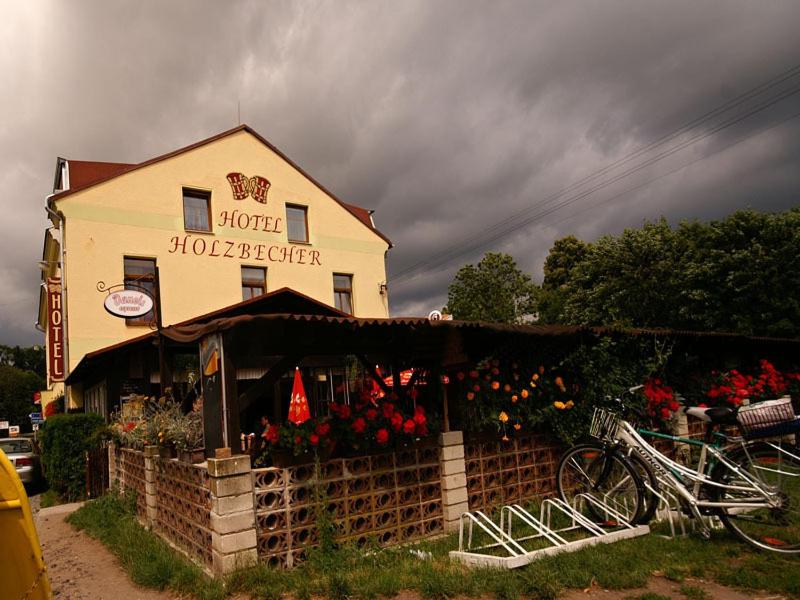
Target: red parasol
{"x": 298, "y": 405}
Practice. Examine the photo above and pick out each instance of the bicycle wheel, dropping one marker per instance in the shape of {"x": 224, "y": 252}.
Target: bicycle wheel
{"x": 650, "y": 485}
{"x": 776, "y": 528}
{"x": 604, "y": 474}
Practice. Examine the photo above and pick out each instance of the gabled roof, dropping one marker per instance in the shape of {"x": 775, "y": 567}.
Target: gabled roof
{"x": 110, "y": 172}
{"x": 84, "y": 173}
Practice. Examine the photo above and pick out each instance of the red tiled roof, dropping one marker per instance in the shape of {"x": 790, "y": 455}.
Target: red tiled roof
{"x": 362, "y": 213}
{"x": 83, "y": 173}
{"x": 358, "y": 212}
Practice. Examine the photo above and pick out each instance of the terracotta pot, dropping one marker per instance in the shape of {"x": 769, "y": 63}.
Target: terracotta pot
{"x": 192, "y": 456}
{"x": 287, "y": 458}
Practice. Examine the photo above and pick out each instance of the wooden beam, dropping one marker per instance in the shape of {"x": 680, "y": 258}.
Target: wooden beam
{"x": 267, "y": 380}
{"x": 369, "y": 368}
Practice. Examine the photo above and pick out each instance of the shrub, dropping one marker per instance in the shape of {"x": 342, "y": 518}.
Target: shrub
{"x": 65, "y": 440}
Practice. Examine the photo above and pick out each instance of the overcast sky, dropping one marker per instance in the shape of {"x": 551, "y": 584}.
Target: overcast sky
{"x": 446, "y": 118}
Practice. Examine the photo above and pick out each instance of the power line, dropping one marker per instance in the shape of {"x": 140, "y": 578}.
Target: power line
{"x": 730, "y": 104}
{"x": 460, "y": 248}
{"x": 482, "y": 244}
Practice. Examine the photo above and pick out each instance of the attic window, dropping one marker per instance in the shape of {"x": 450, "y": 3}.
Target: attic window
{"x": 297, "y": 223}
{"x": 196, "y": 210}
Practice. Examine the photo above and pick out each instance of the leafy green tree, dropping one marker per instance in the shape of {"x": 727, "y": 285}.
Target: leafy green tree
{"x": 738, "y": 274}
{"x": 565, "y": 254}
{"x": 493, "y": 290}
{"x": 16, "y": 395}
{"x": 26, "y": 358}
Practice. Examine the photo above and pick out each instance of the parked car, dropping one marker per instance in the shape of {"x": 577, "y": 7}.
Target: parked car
{"x": 22, "y": 454}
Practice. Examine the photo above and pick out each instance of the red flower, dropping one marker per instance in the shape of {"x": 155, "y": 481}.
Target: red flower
{"x": 474, "y": 374}
{"x": 371, "y": 414}
{"x": 271, "y": 434}
{"x": 298, "y": 440}
{"x": 388, "y": 410}
{"x": 419, "y": 409}
{"x": 397, "y": 421}
{"x": 129, "y": 426}
{"x": 409, "y": 426}
{"x": 382, "y": 436}
{"x": 420, "y": 419}
{"x": 460, "y": 376}
{"x": 421, "y": 429}
{"x": 323, "y": 429}
{"x": 344, "y": 411}
{"x": 359, "y": 425}
{"x": 313, "y": 439}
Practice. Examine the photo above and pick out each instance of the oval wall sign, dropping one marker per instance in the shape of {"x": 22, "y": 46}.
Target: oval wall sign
{"x": 128, "y": 304}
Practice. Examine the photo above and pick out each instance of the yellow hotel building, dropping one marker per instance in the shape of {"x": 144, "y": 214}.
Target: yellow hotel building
{"x": 203, "y": 227}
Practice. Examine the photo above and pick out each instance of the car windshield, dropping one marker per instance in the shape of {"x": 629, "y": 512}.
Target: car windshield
{"x": 15, "y": 446}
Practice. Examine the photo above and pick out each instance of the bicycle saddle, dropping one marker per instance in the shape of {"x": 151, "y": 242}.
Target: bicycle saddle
{"x": 720, "y": 415}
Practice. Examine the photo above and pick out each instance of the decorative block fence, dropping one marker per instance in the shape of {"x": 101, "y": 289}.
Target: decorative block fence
{"x": 223, "y": 515}
{"x": 501, "y": 473}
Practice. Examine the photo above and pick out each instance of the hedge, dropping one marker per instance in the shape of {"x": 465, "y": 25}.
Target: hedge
{"x": 65, "y": 440}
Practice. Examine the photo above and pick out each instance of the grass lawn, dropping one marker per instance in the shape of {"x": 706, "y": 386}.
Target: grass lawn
{"x": 369, "y": 573}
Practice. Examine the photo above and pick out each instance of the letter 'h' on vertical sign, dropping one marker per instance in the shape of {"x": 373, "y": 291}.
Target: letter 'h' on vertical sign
{"x": 55, "y": 330}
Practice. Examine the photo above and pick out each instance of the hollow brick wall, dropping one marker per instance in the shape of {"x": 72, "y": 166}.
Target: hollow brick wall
{"x": 391, "y": 498}
{"x": 501, "y": 473}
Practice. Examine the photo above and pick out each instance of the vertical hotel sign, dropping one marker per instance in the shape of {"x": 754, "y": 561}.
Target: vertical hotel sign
{"x": 55, "y": 330}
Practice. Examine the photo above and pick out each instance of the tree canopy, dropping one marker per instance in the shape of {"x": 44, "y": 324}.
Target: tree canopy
{"x": 16, "y": 394}
{"x": 738, "y": 274}
{"x": 493, "y": 290}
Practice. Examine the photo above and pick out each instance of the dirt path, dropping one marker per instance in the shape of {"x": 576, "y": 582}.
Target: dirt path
{"x": 669, "y": 589}
{"x": 81, "y": 568}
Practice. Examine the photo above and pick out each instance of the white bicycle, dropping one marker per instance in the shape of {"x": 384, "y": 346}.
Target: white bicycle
{"x": 751, "y": 482}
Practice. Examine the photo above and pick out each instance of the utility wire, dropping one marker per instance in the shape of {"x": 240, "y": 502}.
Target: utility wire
{"x": 730, "y": 104}
{"x": 483, "y": 243}
{"x": 460, "y": 249}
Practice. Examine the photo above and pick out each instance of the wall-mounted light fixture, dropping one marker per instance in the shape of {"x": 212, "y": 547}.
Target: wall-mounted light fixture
{"x": 383, "y": 288}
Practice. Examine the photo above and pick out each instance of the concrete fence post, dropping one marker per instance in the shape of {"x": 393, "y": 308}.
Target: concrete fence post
{"x": 233, "y": 516}
{"x": 454, "y": 478}
{"x": 112, "y": 464}
{"x": 150, "y": 458}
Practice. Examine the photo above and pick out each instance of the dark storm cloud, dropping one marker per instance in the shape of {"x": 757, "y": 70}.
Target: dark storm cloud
{"x": 445, "y": 117}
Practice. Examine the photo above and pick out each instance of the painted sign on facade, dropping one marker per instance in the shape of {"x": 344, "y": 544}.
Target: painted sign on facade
{"x": 55, "y": 330}
{"x": 128, "y": 304}
{"x": 243, "y": 186}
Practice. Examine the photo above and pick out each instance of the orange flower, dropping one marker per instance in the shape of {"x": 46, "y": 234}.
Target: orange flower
{"x": 535, "y": 377}
{"x": 569, "y": 404}
{"x": 541, "y": 370}
{"x": 505, "y": 438}
{"x": 517, "y": 426}
{"x": 495, "y": 385}
{"x": 559, "y": 405}
{"x": 559, "y": 382}
{"x": 514, "y": 398}
{"x": 524, "y": 393}
{"x": 470, "y": 396}
{"x": 503, "y": 417}
{"x": 506, "y": 388}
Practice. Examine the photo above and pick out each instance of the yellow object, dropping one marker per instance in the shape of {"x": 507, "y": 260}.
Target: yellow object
{"x": 559, "y": 405}
{"x": 569, "y": 404}
{"x": 503, "y": 417}
{"x": 22, "y": 570}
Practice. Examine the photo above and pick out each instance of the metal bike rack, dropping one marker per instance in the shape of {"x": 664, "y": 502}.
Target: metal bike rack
{"x": 537, "y": 530}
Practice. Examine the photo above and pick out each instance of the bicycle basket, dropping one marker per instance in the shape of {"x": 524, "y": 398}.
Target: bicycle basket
{"x": 604, "y": 424}
{"x": 765, "y": 415}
